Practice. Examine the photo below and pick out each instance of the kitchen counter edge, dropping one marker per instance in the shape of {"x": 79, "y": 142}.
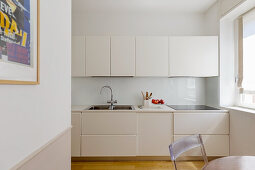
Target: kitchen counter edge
{"x": 163, "y": 109}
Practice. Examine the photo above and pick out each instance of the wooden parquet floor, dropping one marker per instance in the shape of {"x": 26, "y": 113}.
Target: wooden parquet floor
{"x": 137, "y": 165}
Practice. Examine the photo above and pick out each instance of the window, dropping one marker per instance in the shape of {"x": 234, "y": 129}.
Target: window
{"x": 246, "y": 80}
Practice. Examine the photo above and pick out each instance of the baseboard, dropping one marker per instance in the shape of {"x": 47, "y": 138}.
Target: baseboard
{"x": 45, "y": 157}
{"x": 138, "y": 158}
{"x": 121, "y": 158}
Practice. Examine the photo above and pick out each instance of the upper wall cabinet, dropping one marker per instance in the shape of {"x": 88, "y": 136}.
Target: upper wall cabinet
{"x": 122, "y": 56}
{"x": 98, "y": 56}
{"x": 78, "y": 56}
{"x": 152, "y": 56}
{"x": 195, "y": 56}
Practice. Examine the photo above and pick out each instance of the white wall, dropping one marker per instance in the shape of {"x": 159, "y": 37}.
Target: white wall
{"x": 227, "y": 5}
{"x": 242, "y": 138}
{"x": 55, "y": 156}
{"x": 212, "y": 28}
{"x": 128, "y": 90}
{"x": 138, "y": 24}
{"x": 32, "y": 115}
{"x": 211, "y": 20}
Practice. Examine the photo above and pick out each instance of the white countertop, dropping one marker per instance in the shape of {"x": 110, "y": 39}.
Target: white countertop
{"x": 79, "y": 108}
{"x": 154, "y": 108}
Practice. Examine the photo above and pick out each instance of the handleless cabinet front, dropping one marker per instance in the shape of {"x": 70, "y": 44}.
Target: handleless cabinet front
{"x": 108, "y": 145}
{"x": 98, "y": 56}
{"x": 201, "y": 123}
{"x": 109, "y": 134}
{"x": 109, "y": 123}
{"x": 122, "y": 56}
{"x": 195, "y": 56}
{"x": 155, "y": 133}
{"x": 78, "y": 56}
{"x": 76, "y": 134}
{"x": 152, "y": 56}
{"x": 215, "y": 145}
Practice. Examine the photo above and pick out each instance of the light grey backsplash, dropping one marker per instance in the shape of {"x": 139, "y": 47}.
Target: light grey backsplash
{"x": 86, "y": 91}
{"x": 212, "y": 92}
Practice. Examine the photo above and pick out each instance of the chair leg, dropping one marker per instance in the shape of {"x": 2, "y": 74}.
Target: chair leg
{"x": 175, "y": 165}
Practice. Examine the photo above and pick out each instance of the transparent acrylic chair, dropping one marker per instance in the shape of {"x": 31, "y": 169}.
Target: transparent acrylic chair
{"x": 184, "y": 144}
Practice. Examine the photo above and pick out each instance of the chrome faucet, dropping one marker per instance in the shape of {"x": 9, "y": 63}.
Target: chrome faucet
{"x": 111, "y": 102}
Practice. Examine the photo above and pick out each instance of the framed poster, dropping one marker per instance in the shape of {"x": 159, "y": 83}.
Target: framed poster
{"x": 19, "y": 42}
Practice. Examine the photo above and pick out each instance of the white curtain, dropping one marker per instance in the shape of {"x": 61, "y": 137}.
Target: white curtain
{"x": 247, "y": 54}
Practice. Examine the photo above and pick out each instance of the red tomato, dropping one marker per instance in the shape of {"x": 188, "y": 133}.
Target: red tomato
{"x": 162, "y": 101}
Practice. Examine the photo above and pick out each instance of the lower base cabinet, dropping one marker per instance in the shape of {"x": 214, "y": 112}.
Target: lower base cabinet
{"x": 76, "y": 135}
{"x": 215, "y": 145}
{"x": 108, "y": 145}
{"x": 214, "y": 128}
{"x": 120, "y": 134}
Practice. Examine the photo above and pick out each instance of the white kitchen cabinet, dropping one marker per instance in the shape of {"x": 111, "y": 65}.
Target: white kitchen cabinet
{"x": 78, "y": 56}
{"x": 214, "y": 128}
{"x": 195, "y": 56}
{"x": 122, "y": 56}
{"x": 98, "y": 56}
{"x": 215, "y": 145}
{"x": 201, "y": 123}
{"x": 108, "y": 145}
{"x": 76, "y": 134}
{"x": 152, "y": 56}
{"x": 155, "y": 133}
{"x": 109, "y": 123}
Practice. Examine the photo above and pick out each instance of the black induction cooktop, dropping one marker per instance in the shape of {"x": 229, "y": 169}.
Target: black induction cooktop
{"x": 192, "y": 107}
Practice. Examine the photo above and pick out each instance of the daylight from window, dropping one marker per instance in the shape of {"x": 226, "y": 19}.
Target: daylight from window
{"x": 248, "y": 96}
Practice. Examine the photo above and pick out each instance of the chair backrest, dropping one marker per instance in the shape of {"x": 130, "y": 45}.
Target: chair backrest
{"x": 184, "y": 144}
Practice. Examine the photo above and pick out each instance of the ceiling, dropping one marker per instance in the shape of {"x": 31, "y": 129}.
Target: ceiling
{"x": 171, "y": 6}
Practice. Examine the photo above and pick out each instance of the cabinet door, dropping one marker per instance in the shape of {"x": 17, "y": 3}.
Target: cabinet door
{"x": 201, "y": 123}
{"x": 97, "y": 56}
{"x": 154, "y": 134}
{"x": 193, "y": 56}
{"x": 78, "y": 56}
{"x": 122, "y": 56}
{"x": 215, "y": 145}
{"x": 76, "y": 134}
{"x": 108, "y": 145}
{"x": 152, "y": 56}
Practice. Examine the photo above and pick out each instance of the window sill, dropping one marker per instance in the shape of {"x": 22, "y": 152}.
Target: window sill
{"x": 242, "y": 109}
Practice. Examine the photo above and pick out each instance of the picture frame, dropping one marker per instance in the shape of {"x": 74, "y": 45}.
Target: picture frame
{"x": 20, "y": 42}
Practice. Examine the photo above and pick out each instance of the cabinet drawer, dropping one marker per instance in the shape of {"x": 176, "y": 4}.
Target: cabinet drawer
{"x": 201, "y": 123}
{"x": 108, "y": 145}
{"x": 76, "y": 134}
{"x": 109, "y": 123}
{"x": 215, "y": 145}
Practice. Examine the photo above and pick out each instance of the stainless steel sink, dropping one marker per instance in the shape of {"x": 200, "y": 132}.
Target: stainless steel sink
{"x": 107, "y": 107}
{"x": 123, "y": 107}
